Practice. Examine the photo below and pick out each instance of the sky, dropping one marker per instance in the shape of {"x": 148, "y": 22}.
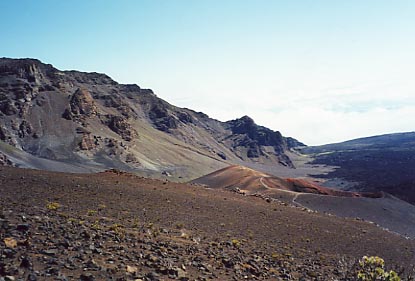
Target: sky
{"x": 321, "y": 71}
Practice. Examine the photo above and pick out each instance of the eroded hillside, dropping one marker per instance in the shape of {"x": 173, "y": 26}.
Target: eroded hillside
{"x": 75, "y": 121}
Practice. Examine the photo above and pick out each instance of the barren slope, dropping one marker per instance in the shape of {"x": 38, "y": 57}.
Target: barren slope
{"x": 89, "y": 121}
{"x": 251, "y": 181}
{"x": 379, "y": 163}
{"x": 123, "y": 226}
{"x": 380, "y": 208}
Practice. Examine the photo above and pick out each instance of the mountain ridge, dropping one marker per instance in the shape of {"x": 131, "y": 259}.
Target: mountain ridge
{"x": 88, "y": 119}
{"x": 376, "y": 163}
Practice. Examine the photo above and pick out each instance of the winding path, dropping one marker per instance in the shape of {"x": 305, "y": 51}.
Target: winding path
{"x": 293, "y": 200}
{"x": 297, "y": 204}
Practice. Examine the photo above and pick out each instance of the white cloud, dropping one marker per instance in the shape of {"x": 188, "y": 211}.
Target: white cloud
{"x": 314, "y": 125}
{"x": 320, "y": 116}
{"x": 315, "y": 101}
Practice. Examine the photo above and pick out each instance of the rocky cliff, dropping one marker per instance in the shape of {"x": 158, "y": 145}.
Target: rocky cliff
{"x": 90, "y": 122}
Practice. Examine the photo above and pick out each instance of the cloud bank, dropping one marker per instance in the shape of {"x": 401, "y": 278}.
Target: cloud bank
{"x": 318, "y": 116}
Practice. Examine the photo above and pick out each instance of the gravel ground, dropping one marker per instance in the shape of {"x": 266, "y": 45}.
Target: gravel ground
{"x": 116, "y": 226}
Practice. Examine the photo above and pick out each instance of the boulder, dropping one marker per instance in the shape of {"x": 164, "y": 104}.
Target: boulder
{"x": 121, "y": 126}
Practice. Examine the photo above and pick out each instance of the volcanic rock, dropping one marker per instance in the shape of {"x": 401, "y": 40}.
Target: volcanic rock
{"x": 88, "y": 142}
{"x": 121, "y": 126}
{"x": 35, "y": 96}
{"x": 81, "y": 105}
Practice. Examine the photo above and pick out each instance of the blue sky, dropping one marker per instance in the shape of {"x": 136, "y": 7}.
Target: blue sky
{"x": 320, "y": 71}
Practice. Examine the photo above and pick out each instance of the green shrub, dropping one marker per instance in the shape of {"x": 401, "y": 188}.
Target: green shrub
{"x": 373, "y": 268}
{"x": 236, "y": 243}
{"x": 91, "y": 212}
{"x": 53, "y": 206}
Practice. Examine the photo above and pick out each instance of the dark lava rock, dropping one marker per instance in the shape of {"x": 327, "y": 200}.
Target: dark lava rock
{"x": 253, "y": 138}
{"x": 185, "y": 117}
{"x": 152, "y": 276}
{"x": 24, "y": 227}
{"x": 25, "y": 129}
{"x": 221, "y": 155}
{"x": 86, "y": 277}
{"x": 5, "y": 161}
{"x": 3, "y": 134}
{"x": 161, "y": 118}
{"x": 26, "y": 263}
{"x": 7, "y": 107}
{"x": 3, "y": 224}
{"x": 258, "y": 134}
{"x": 31, "y": 277}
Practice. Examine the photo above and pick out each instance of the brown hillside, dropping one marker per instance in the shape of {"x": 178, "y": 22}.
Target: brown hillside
{"x": 250, "y": 182}
{"x": 118, "y": 226}
{"x": 87, "y": 122}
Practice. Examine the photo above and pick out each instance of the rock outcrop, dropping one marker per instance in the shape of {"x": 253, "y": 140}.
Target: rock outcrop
{"x": 121, "y": 126}
{"x": 255, "y": 139}
{"x": 5, "y": 161}
{"x": 43, "y": 109}
{"x": 81, "y": 106}
{"x": 88, "y": 142}
{"x": 161, "y": 118}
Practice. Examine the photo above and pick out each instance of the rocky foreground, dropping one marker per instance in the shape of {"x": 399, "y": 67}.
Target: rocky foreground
{"x": 115, "y": 226}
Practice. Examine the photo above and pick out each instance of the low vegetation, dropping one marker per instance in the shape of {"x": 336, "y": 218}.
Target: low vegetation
{"x": 196, "y": 236}
{"x": 53, "y": 206}
{"x": 373, "y": 268}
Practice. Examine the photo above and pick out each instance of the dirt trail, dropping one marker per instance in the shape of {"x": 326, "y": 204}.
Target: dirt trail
{"x": 293, "y": 200}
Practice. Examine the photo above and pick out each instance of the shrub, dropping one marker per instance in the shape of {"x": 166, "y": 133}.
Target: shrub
{"x": 53, "y": 206}
{"x": 373, "y": 268}
{"x": 236, "y": 243}
{"x": 91, "y": 212}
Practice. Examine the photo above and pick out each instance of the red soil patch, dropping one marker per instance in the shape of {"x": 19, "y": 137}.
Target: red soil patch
{"x": 251, "y": 181}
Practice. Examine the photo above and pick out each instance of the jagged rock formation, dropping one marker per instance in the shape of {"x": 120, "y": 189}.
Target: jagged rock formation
{"x": 121, "y": 126}
{"x": 81, "y": 106}
{"x": 258, "y": 141}
{"x": 5, "y": 161}
{"x": 91, "y": 122}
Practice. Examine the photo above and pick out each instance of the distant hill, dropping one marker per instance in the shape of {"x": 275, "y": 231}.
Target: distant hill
{"x": 378, "y": 207}
{"x": 250, "y": 182}
{"x": 84, "y": 122}
{"x": 379, "y": 163}
{"x": 397, "y": 140}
